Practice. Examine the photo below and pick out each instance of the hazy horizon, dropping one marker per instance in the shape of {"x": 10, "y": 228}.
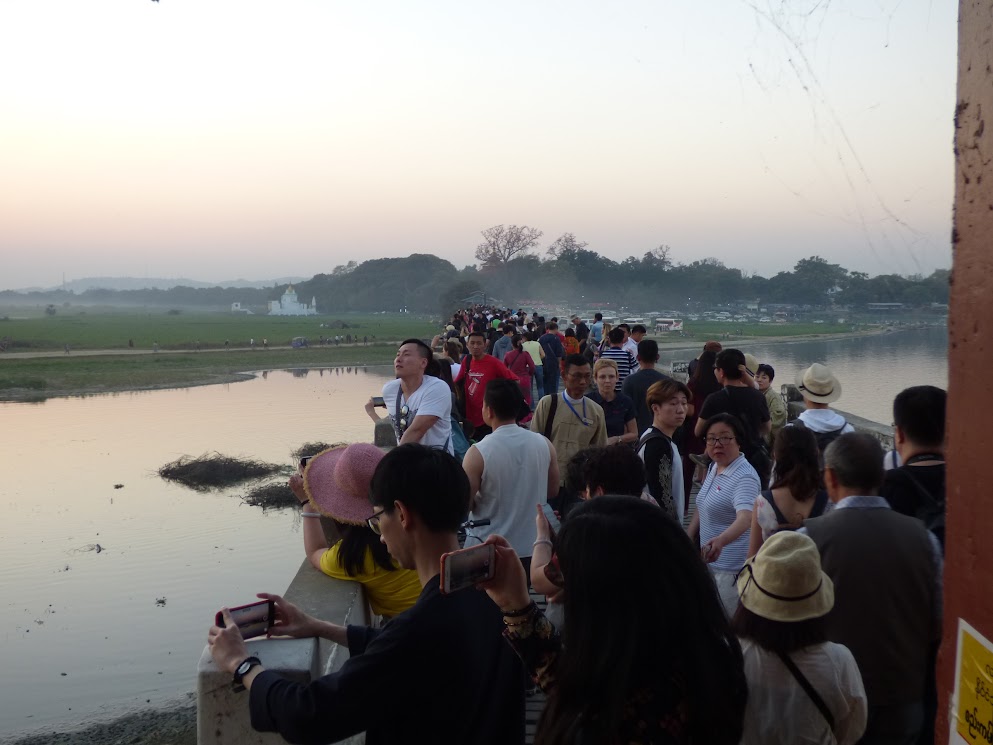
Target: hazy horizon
{"x": 243, "y": 139}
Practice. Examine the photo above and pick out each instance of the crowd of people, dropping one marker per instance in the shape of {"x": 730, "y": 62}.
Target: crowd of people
{"x": 800, "y": 601}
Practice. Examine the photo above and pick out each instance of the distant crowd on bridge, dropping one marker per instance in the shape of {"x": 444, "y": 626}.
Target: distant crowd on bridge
{"x": 705, "y": 570}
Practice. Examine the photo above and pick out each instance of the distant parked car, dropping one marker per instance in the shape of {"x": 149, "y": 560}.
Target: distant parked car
{"x": 299, "y": 341}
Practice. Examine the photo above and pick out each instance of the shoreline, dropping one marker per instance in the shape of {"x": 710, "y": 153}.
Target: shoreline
{"x": 214, "y": 376}
{"x": 171, "y": 725}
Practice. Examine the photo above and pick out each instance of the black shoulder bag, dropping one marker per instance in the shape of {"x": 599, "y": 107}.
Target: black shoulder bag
{"x": 809, "y": 688}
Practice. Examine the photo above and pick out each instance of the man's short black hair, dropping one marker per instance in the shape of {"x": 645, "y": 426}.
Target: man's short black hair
{"x": 920, "y": 412}
{"x": 857, "y": 461}
{"x": 616, "y": 469}
{"x": 423, "y": 349}
{"x": 509, "y": 328}
{"x": 575, "y": 360}
{"x": 504, "y": 397}
{"x": 623, "y": 326}
{"x": 728, "y": 361}
{"x": 648, "y": 350}
{"x": 638, "y": 329}
{"x": 615, "y": 335}
{"x": 598, "y": 316}
{"x": 430, "y": 483}
{"x": 475, "y": 332}
{"x": 768, "y": 370}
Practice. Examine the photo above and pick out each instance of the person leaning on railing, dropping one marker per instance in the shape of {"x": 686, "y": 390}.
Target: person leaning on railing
{"x": 335, "y": 484}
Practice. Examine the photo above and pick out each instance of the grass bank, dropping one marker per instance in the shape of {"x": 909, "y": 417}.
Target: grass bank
{"x": 38, "y": 378}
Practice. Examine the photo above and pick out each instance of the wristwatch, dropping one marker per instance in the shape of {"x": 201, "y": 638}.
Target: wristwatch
{"x": 241, "y": 671}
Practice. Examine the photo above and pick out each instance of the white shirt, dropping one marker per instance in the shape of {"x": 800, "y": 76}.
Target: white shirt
{"x": 825, "y": 420}
{"x": 432, "y": 398}
{"x": 779, "y": 711}
{"x": 515, "y": 479}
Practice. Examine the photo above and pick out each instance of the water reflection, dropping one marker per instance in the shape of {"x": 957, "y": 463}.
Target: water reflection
{"x": 82, "y": 631}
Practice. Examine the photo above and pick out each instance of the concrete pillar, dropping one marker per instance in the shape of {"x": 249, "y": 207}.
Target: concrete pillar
{"x": 969, "y": 551}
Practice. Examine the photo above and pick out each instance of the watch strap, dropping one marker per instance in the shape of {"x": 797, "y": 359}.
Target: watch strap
{"x": 236, "y": 683}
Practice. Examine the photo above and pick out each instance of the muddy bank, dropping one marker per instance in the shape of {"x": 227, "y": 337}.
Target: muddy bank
{"x": 176, "y": 726}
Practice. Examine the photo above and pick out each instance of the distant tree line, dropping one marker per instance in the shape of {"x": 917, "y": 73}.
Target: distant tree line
{"x": 510, "y": 270}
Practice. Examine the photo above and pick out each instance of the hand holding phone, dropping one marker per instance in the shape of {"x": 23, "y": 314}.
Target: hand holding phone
{"x": 552, "y": 518}
{"x": 467, "y": 567}
{"x": 254, "y": 619}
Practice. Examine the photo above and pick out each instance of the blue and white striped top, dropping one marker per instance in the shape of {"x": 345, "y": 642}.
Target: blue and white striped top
{"x": 720, "y": 499}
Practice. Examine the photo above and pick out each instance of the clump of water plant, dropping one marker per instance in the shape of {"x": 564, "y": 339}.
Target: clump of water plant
{"x": 274, "y": 495}
{"x": 213, "y": 470}
{"x": 312, "y": 448}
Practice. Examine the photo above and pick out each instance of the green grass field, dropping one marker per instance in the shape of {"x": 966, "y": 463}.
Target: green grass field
{"x": 31, "y": 330}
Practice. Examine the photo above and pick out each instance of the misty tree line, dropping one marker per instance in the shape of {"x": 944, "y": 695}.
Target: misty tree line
{"x": 511, "y": 267}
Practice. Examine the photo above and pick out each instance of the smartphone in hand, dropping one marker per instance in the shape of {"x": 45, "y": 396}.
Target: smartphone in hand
{"x": 254, "y": 619}
{"x": 467, "y": 567}
{"x": 552, "y": 518}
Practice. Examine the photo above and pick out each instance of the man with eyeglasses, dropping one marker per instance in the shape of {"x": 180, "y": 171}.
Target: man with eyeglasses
{"x": 438, "y": 672}
{"x": 418, "y": 404}
{"x": 568, "y": 419}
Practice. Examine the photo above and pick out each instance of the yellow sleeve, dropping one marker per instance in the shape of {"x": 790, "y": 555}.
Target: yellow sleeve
{"x": 330, "y": 565}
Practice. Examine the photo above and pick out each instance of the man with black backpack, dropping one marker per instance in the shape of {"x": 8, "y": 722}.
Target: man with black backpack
{"x": 739, "y": 397}
{"x": 819, "y": 388}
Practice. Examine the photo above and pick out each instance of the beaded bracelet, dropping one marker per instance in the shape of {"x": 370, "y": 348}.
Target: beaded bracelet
{"x": 542, "y": 541}
{"x": 520, "y": 612}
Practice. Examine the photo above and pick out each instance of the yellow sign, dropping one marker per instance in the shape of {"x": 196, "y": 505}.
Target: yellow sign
{"x": 972, "y": 712}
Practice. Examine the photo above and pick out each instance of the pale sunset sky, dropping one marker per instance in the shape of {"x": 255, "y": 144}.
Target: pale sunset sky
{"x": 222, "y": 139}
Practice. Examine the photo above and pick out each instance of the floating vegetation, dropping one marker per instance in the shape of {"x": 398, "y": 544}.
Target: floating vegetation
{"x": 274, "y": 495}
{"x": 212, "y": 470}
{"x": 313, "y": 448}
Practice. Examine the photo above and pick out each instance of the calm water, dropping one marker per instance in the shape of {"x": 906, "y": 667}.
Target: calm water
{"x": 82, "y": 632}
{"x": 871, "y": 369}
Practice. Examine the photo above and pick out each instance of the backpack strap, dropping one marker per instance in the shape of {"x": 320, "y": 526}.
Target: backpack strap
{"x": 553, "y": 405}
{"x": 650, "y": 434}
{"x": 780, "y": 517}
{"x": 809, "y": 688}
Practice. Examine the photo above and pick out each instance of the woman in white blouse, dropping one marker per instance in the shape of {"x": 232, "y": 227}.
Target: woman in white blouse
{"x": 802, "y": 689}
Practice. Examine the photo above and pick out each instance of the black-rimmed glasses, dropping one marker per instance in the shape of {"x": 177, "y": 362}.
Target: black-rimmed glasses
{"x": 373, "y": 522}
{"x": 723, "y": 441}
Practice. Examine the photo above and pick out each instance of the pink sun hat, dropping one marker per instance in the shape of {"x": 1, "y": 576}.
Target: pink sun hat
{"x": 337, "y": 481}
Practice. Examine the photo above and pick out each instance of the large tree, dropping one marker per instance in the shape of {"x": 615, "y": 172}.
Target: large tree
{"x": 565, "y": 242}
{"x": 501, "y": 243}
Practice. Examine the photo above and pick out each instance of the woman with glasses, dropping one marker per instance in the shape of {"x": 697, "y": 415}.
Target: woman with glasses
{"x": 335, "y": 484}
{"x": 724, "y": 506}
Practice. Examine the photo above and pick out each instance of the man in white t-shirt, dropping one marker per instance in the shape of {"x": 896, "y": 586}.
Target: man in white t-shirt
{"x": 418, "y": 405}
{"x": 511, "y": 471}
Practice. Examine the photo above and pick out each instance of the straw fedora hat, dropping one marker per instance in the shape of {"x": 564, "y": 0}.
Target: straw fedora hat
{"x": 818, "y": 384}
{"x": 751, "y": 363}
{"x": 337, "y": 481}
{"x": 784, "y": 581}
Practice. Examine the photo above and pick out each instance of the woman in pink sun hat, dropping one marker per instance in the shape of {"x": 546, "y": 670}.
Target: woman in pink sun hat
{"x": 336, "y": 482}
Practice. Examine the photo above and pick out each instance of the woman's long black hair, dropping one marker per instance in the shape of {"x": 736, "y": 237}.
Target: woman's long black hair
{"x": 641, "y": 612}
{"x": 704, "y": 382}
{"x": 355, "y": 541}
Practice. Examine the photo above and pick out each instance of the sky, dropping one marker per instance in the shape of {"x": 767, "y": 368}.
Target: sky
{"x": 222, "y": 139}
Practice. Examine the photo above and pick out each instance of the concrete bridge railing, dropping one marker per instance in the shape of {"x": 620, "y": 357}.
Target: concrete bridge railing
{"x": 222, "y": 715}
{"x": 882, "y": 432}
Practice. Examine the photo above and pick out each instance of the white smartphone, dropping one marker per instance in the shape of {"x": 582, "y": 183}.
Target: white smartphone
{"x": 467, "y": 567}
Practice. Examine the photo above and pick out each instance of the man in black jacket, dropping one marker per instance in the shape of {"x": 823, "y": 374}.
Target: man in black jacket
{"x": 439, "y": 672}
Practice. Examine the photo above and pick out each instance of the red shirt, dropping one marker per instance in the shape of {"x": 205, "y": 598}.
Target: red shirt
{"x": 481, "y": 372}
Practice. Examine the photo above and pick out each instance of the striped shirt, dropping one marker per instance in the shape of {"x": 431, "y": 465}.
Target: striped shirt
{"x": 625, "y": 363}
{"x": 720, "y": 499}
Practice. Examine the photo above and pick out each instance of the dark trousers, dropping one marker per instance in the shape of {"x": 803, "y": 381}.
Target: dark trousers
{"x": 551, "y": 372}
{"x": 893, "y": 725}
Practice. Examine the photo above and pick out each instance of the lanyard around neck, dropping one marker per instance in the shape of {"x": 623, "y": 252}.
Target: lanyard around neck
{"x": 586, "y": 422}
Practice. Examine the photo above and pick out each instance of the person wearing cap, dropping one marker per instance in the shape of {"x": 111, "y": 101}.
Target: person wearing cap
{"x": 802, "y": 688}
{"x": 440, "y": 672}
{"x": 820, "y": 388}
{"x": 335, "y": 484}
{"x": 419, "y": 405}
{"x": 887, "y": 569}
